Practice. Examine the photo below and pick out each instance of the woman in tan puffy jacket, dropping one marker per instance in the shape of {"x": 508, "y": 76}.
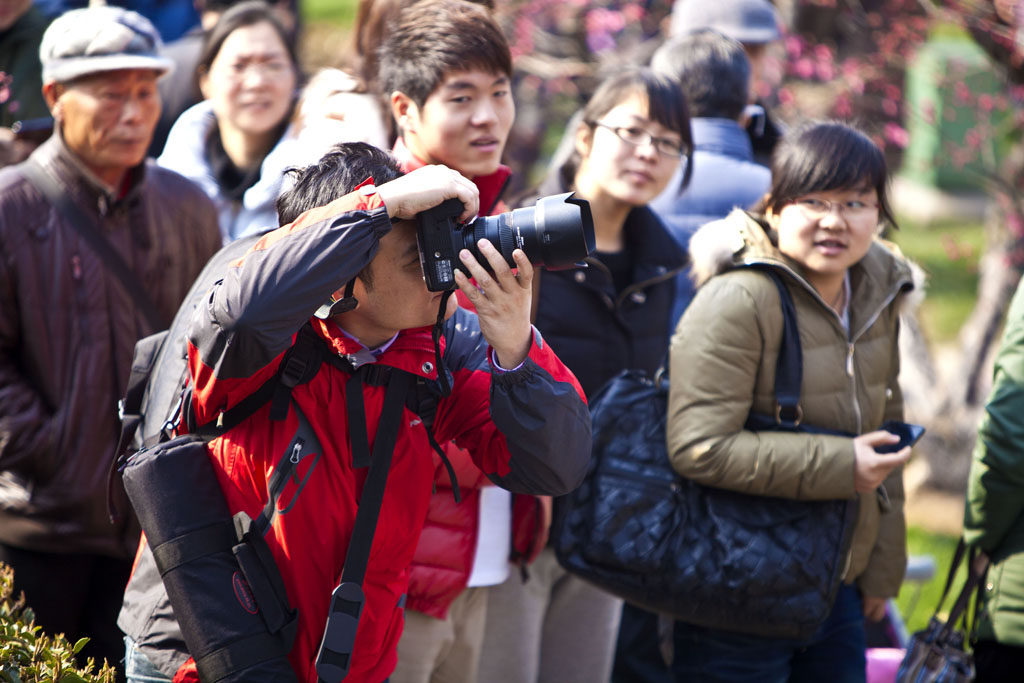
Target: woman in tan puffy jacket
{"x": 818, "y": 230}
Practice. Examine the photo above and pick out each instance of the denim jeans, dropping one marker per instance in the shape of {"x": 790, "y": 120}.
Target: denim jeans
{"x": 138, "y": 668}
{"x": 834, "y": 654}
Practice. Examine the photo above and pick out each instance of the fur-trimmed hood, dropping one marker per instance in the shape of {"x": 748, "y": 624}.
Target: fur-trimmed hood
{"x": 743, "y": 238}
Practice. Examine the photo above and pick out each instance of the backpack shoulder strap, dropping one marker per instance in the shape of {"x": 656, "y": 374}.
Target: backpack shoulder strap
{"x": 129, "y": 410}
{"x": 347, "y": 599}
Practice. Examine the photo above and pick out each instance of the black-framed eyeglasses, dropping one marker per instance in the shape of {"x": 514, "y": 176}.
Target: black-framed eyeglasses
{"x": 638, "y": 137}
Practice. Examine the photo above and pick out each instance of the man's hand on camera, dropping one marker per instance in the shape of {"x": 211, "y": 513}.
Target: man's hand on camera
{"x": 502, "y": 301}
{"x": 425, "y": 188}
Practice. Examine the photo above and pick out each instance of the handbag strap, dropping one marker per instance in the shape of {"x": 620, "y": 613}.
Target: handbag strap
{"x": 958, "y": 556}
{"x": 789, "y": 366}
{"x": 48, "y": 187}
{"x": 972, "y": 584}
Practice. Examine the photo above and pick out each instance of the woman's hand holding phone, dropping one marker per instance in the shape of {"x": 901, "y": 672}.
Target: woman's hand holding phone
{"x": 872, "y": 467}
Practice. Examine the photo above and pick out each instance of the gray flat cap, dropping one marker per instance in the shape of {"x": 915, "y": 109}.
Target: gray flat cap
{"x": 748, "y": 21}
{"x": 96, "y": 39}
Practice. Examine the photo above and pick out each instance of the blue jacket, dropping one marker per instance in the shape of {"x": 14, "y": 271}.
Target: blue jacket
{"x": 724, "y": 177}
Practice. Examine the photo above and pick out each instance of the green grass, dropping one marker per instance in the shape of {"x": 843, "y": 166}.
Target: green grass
{"x": 917, "y": 601}
{"x": 948, "y": 252}
{"x": 338, "y": 12}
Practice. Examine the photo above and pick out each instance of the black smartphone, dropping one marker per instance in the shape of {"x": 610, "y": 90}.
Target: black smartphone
{"x": 908, "y": 433}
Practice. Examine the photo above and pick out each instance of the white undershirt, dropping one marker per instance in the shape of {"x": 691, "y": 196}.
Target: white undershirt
{"x": 493, "y": 538}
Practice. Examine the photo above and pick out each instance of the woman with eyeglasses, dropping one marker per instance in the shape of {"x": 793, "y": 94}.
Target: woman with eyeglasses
{"x": 818, "y": 230}
{"x": 248, "y": 72}
{"x": 610, "y": 316}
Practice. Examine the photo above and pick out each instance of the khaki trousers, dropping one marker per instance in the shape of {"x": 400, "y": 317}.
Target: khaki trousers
{"x": 555, "y": 628}
{"x": 443, "y": 650}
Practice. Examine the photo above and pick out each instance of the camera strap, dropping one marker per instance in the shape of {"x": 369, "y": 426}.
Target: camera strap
{"x": 435, "y": 334}
{"x": 347, "y": 599}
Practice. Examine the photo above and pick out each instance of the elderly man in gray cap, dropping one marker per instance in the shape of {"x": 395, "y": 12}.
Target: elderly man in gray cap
{"x": 97, "y": 249}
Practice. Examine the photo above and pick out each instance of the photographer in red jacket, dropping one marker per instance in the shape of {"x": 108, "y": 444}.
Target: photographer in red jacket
{"x": 513, "y": 405}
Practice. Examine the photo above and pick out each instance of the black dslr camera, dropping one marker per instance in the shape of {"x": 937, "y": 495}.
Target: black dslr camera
{"x": 557, "y": 232}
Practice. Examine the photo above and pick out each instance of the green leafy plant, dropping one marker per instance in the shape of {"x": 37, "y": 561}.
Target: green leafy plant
{"x": 27, "y": 655}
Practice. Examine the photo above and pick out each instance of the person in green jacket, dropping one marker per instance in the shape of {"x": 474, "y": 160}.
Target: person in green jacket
{"x": 994, "y": 510}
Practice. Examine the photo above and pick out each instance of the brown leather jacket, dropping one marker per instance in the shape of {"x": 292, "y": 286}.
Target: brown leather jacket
{"x": 67, "y": 331}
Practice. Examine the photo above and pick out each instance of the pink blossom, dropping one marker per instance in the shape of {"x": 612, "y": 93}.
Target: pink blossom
{"x": 822, "y": 52}
{"x": 794, "y": 46}
{"x": 961, "y": 93}
{"x": 634, "y": 12}
{"x": 896, "y": 134}
{"x": 985, "y": 102}
{"x": 855, "y": 84}
{"x": 843, "y": 108}
{"x": 826, "y": 71}
{"x": 890, "y": 107}
{"x": 803, "y": 68}
{"x": 604, "y": 20}
{"x": 785, "y": 96}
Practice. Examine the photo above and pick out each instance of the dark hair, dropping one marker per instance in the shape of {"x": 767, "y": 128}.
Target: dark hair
{"x": 665, "y": 104}
{"x": 712, "y": 69}
{"x": 244, "y": 14}
{"x": 339, "y": 171}
{"x": 431, "y": 40}
{"x": 371, "y": 26}
{"x": 216, "y": 5}
{"x": 818, "y": 156}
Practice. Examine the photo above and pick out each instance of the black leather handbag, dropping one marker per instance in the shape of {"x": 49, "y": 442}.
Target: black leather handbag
{"x": 707, "y": 556}
{"x": 938, "y": 653}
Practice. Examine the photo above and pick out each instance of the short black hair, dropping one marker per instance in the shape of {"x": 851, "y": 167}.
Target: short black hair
{"x": 712, "y": 69}
{"x": 431, "y": 40}
{"x": 340, "y": 171}
{"x": 818, "y": 156}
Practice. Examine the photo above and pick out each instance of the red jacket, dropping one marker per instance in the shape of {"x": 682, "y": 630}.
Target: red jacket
{"x": 444, "y": 556}
{"x": 527, "y": 429}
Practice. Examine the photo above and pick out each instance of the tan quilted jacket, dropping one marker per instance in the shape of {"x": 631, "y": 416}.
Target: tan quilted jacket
{"x": 723, "y": 358}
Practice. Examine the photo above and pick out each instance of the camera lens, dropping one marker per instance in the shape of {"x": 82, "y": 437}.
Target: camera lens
{"x": 556, "y": 232}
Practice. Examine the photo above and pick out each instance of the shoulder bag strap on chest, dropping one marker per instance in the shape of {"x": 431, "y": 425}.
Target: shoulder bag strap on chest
{"x": 129, "y": 280}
